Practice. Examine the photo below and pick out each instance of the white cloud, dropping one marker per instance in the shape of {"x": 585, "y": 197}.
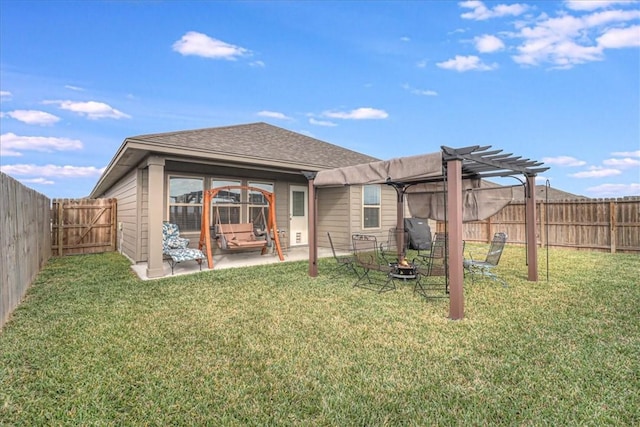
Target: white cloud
{"x": 566, "y": 40}
{"x": 422, "y": 64}
{"x": 488, "y": 43}
{"x": 421, "y": 92}
{"x": 363, "y": 113}
{"x": 257, "y": 64}
{"x": 596, "y": 172}
{"x": 623, "y": 163}
{"x": 608, "y": 17}
{"x": 589, "y": 5}
{"x": 480, "y": 12}
{"x": 626, "y": 153}
{"x": 13, "y": 145}
{"x": 274, "y": 115}
{"x": 405, "y": 39}
{"x": 198, "y": 44}
{"x": 616, "y": 38}
{"x": 52, "y": 171}
{"x": 91, "y": 109}
{"x": 563, "y": 161}
{"x": 74, "y": 88}
{"x": 322, "y": 122}
{"x": 5, "y": 95}
{"x": 466, "y": 63}
{"x": 614, "y": 190}
{"x": 33, "y": 117}
{"x": 40, "y": 181}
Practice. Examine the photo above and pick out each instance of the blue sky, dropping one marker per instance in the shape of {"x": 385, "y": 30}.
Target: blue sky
{"x": 553, "y": 81}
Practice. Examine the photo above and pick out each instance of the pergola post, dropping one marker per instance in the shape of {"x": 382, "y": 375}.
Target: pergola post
{"x": 532, "y": 240}
{"x": 313, "y": 229}
{"x": 454, "y": 222}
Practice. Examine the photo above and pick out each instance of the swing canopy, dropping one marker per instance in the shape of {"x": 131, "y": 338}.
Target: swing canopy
{"x": 234, "y": 236}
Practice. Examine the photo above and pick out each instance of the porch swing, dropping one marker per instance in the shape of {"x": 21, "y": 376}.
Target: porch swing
{"x": 236, "y": 236}
{"x": 242, "y": 236}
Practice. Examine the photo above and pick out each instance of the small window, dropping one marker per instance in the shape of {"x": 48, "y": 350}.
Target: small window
{"x": 298, "y": 205}
{"x": 371, "y": 206}
{"x": 185, "y": 202}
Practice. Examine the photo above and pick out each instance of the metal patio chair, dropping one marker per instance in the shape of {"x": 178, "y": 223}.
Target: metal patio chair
{"x": 376, "y": 271}
{"x": 431, "y": 268}
{"x": 345, "y": 262}
{"x": 390, "y": 249}
{"x": 485, "y": 268}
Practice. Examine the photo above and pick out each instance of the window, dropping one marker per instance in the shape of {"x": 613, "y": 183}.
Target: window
{"x": 226, "y": 204}
{"x": 297, "y": 205}
{"x": 258, "y": 205}
{"x": 185, "y": 202}
{"x": 371, "y": 206}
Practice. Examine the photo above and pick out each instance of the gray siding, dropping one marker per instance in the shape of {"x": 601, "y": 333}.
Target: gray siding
{"x": 333, "y": 209}
{"x": 143, "y": 220}
{"x": 340, "y": 213}
{"x": 281, "y": 190}
{"x": 126, "y": 191}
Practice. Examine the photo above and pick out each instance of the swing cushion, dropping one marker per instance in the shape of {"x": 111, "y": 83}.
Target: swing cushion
{"x": 240, "y": 236}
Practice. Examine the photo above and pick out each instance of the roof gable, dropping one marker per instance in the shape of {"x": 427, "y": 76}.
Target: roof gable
{"x": 260, "y": 141}
{"x": 257, "y": 144}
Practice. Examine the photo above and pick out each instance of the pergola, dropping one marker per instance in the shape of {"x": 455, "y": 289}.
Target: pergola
{"x": 435, "y": 184}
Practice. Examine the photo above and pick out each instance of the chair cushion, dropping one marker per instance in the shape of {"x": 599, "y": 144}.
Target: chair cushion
{"x": 188, "y": 254}
{"x": 177, "y": 242}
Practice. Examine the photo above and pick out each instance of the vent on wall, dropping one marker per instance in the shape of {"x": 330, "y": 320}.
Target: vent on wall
{"x": 298, "y": 237}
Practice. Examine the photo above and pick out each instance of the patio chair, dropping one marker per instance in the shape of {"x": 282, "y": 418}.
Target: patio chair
{"x": 485, "y": 268}
{"x": 390, "y": 250}
{"x": 175, "y": 249}
{"x": 431, "y": 268}
{"x": 345, "y": 262}
{"x": 376, "y": 271}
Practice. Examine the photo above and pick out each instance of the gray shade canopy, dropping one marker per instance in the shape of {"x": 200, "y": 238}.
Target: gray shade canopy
{"x": 402, "y": 169}
{"x": 480, "y": 200}
{"x": 422, "y": 180}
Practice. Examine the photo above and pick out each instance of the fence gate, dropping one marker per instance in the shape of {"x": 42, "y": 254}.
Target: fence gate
{"x": 83, "y": 226}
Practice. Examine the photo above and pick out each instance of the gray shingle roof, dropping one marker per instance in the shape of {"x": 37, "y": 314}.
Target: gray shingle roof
{"x": 260, "y": 141}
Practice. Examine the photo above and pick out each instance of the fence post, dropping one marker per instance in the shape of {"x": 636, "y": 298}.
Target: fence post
{"x": 543, "y": 224}
{"x": 60, "y": 227}
{"x": 612, "y": 227}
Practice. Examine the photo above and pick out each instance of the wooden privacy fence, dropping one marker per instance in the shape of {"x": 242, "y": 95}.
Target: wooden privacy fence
{"x": 83, "y": 226}
{"x": 606, "y": 225}
{"x": 25, "y": 240}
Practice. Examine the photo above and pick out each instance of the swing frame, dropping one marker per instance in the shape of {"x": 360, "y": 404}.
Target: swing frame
{"x": 205, "y": 231}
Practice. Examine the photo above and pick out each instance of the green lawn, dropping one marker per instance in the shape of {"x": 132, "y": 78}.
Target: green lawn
{"x": 94, "y": 345}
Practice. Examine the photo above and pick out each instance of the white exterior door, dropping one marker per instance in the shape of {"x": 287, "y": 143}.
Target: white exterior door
{"x": 298, "y": 216}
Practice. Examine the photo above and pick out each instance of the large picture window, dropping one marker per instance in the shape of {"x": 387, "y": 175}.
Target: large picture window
{"x": 226, "y": 206}
{"x": 371, "y": 196}
{"x": 185, "y": 202}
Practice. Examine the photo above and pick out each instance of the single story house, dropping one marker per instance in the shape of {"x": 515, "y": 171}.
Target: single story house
{"x": 161, "y": 177}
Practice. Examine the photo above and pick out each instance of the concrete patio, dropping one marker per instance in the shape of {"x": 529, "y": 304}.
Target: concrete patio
{"x": 232, "y": 260}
